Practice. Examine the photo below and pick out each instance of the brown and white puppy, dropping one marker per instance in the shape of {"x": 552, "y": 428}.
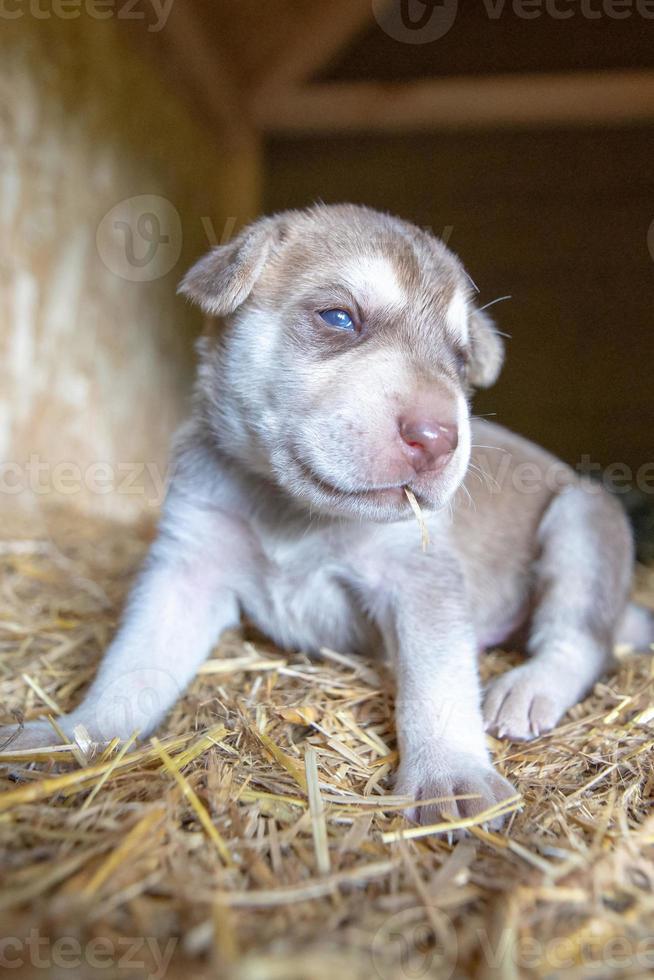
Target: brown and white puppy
{"x": 342, "y": 376}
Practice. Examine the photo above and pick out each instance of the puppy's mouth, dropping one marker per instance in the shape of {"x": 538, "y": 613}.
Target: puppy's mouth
{"x": 388, "y": 493}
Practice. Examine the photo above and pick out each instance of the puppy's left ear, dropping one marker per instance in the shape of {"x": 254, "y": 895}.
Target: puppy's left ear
{"x": 486, "y": 351}
{"x": 224, "y": 278}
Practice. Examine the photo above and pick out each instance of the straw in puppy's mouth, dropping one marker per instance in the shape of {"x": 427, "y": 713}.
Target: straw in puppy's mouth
{"x": 415, "y": 507}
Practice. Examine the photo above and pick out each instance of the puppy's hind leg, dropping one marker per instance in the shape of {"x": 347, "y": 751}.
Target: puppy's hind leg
{"x": 581, "y": 587}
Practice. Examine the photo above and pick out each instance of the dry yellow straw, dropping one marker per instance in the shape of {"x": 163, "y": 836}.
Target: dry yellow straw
{"x": 74, "y": 781}
{"x": 195, "y": 802}
{"x": 120, "y": 855}
{"x": 284, "y": 760}
{"x": 317, "y": 810}
{"x": 107, "y": 775}
{"x": 38, "y": 690}
{"x": 306, "y": 891}
{"x": 415, "y": 507}
{"x": 118, "y": 841}
{"x": 447, "y": 826}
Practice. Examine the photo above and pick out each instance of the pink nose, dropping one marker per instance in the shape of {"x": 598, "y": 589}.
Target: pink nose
{"x": 427, "y": 442}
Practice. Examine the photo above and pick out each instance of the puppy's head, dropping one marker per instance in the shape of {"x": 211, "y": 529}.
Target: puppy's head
{"x": 349, "y": 351}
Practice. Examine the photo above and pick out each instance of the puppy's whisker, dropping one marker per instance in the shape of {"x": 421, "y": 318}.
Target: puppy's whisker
{"x": 484, "y": 476}
{"x": 472, "y": 282}
{"x": 475, "y": 475}
{"x": 489, "y": 481}
{"x": 471, "y": 502}
{"x": 499, "y": 299}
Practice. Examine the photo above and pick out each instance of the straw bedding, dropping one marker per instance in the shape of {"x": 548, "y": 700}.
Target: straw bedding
{"x": 255, "y": 838}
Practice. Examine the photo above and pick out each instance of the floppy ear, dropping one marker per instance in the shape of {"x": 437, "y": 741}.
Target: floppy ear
{"x": 486, "y": 350}
{"x": 224, "y": 278}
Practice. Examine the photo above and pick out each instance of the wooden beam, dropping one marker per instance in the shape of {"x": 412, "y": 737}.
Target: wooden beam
{"x": 572, "y": 98}
{"x": 205, "y": 70}
{"x": 316, "y": 38}
{"x": 206, "y": 79}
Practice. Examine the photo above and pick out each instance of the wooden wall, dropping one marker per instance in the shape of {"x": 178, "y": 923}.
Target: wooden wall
{"x": 95, "y": 348}
{"x": 559, "y": 220}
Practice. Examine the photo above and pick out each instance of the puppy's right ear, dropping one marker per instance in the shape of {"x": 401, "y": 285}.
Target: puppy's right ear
{"x": 486, "y": 350}
{"x": 224, "y": 278}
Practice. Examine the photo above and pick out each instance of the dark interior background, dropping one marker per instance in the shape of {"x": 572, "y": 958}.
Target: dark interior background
{"x": 558, "y": 221}
{"x": 556, "y": 218}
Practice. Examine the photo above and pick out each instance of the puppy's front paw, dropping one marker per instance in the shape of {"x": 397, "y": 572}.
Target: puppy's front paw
{"x": 462, "y": 786}
{"x": 33, "y": 735}
{"x": 525, "y": 703}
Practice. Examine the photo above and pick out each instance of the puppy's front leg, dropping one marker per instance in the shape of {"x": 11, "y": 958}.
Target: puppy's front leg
{"x": 182, "y": 601}
{"x": 443, "y": 752}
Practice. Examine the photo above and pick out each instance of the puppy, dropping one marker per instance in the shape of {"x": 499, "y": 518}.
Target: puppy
{"x": 342, "y": 375}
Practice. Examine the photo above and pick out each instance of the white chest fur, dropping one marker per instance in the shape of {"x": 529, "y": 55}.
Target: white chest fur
{"x": 302, "y": 594}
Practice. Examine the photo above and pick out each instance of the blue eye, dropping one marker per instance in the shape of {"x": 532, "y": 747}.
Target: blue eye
{"x": 340, "y": 319}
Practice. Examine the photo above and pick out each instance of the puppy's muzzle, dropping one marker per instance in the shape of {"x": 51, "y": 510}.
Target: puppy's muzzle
{"x": 428, "y": 444}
